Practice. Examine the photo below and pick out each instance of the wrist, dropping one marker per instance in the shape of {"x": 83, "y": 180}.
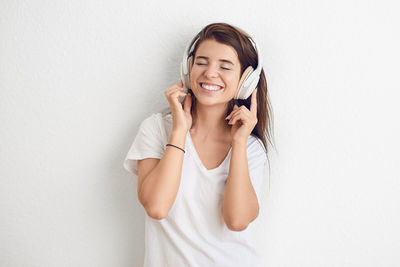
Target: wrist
{"x": 178, "y": 132}
{"x": 239, "y": 142}
{"x": 239, "y": 146}
{"x": 178, "y": 138}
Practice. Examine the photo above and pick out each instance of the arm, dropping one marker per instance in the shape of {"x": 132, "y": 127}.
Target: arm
{"x": 159, "y": 188}
{"x": 240, "y": 204}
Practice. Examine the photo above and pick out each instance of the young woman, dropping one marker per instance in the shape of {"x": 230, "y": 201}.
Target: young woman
{"x": 200, "y": 167}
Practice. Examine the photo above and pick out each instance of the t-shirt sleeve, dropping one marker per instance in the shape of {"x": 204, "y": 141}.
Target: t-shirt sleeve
{"x": 256, "y": 162}
{"x": 147, "y": 143}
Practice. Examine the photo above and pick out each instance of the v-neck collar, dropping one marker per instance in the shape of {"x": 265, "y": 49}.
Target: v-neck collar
{"x": 198, "y": 161}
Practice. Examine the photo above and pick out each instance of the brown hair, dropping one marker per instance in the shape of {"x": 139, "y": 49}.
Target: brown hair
{"x": 238, "y": 39}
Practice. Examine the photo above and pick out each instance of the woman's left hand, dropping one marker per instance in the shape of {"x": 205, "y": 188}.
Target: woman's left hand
{"x": 243, "y": 120}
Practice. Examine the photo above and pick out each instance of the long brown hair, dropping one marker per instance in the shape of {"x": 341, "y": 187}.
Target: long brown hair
{"x": 238, "y": 39}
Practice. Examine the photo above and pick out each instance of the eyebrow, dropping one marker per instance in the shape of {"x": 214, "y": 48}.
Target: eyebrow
{"x": 222, "y": 60}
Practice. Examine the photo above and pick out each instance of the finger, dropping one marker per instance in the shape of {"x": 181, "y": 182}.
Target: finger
{"x": 253, "y": 104}
{"x": 173, "y": 90}
{"x": 234, "y": 114}
{"x": 178, "y": 94}
{"x": 175, "y": 96}
{"x": 243, "y": 117}
{"x": 188, "y": 103}
{"x": 179, "y": 85}
{"x": 242, "y": 111}
{"x": 235, "y": 108}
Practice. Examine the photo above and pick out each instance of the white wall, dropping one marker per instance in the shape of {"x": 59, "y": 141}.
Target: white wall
{"x": 77, "y": 78}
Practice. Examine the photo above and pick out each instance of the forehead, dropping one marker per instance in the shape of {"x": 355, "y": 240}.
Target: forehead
{"x": 215, "y": 50}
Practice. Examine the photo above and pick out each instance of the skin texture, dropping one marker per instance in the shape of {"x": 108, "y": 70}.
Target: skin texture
{"x": 240, "y": 205}
{"x": 211, "y": 107}
{"x": 159, "y": 179}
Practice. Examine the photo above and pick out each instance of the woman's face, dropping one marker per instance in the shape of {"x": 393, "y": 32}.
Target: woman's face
{"x": 216, "y": 67}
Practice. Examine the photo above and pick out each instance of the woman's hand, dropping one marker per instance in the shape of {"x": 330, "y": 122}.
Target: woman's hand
{"x": 182, "y": 118}
{"x": 243, "y": 120}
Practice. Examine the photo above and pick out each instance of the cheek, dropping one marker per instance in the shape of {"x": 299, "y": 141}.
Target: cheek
{"x": 193, "y": 74}
{"x": 232, "y": 79}
{"x": 193, "y": 78}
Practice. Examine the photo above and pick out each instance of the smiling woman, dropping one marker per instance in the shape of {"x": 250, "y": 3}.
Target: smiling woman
{"x": 214, "y": 74}
{"x": 200, "y": 166}
{"x": 231, "y": 51}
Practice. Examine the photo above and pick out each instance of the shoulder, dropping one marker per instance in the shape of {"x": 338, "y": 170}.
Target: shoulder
{"x": 166, "y": 123}
{"x": 255, "y": 143}
{"x": 155, "y": 120}
{"x": 166, "y": 119}
{"x": 158, "y": 125}
{"x": 256, "y": 151}
{"x": 150, "y": 120}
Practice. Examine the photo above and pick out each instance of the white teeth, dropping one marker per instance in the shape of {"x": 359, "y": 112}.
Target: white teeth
{"x": 211, "y": 88}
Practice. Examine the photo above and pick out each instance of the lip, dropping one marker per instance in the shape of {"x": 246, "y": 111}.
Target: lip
{"x": 211, "y": 84}
{"x": 209, "y": 91}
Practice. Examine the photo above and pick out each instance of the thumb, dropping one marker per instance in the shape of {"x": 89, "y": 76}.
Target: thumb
{"x": 188, "y": 103}
{"x": 180, "y": 83}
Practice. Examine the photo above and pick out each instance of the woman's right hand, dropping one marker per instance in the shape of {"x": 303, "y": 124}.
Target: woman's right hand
{"x": 182, "y": 117}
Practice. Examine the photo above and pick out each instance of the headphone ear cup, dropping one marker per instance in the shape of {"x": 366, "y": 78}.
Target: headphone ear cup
{"x": 189, "y": 68}
{"x": 242, "y": 81}
{"x": 186, "y": 68}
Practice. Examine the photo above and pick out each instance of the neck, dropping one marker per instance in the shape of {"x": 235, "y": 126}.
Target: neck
{"x": 209, "y": 121}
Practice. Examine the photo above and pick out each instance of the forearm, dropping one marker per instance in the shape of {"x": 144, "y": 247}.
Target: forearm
{"x": 240, "y": 204}
{"x": 160, "y": 187}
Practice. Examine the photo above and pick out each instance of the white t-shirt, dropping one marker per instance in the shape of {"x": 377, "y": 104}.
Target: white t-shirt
{"x": 194, "y": 232}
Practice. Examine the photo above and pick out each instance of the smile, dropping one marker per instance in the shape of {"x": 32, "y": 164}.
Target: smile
{"x": 210, "y": 88}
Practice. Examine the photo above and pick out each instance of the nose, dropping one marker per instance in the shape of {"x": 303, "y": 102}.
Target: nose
{"x": 211, "y": 71}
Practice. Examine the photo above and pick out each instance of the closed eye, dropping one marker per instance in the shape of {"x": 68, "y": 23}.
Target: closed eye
{"x": 206, "y": 64}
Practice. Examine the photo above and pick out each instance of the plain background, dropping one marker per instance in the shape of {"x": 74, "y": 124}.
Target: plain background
{"x": 78, "y": 77}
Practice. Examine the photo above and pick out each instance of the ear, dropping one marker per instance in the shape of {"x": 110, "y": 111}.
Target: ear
{"x": 249, "y": 68}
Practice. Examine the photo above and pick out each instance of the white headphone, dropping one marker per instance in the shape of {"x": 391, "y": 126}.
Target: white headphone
{"x": 247, "y": 83}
